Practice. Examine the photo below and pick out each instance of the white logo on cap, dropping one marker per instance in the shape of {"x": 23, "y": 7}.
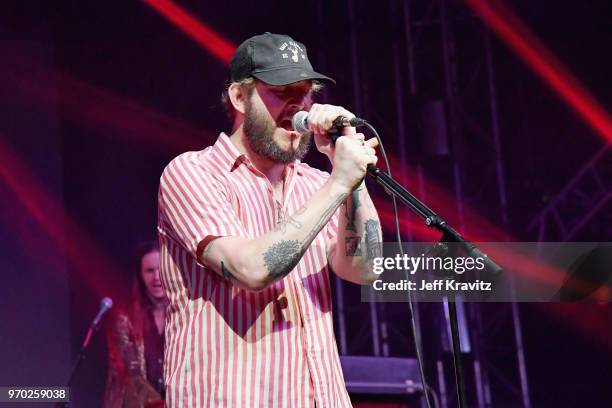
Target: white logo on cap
{"x": 295, "y": 50}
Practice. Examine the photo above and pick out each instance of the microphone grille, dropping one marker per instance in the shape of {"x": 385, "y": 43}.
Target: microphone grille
{"x": 300, "y": 122}
{"x": 106, "y": 303}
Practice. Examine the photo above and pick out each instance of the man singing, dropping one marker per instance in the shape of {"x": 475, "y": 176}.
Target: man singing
{"x": 248, "y": 234}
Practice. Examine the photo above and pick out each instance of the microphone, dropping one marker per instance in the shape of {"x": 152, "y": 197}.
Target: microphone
{"x": 105, "y": 304}
{"x": 300, "y": 123}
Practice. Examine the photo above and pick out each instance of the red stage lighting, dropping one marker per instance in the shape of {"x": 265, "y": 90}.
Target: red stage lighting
{"x": 525, "y": 43}
{"x": 80, "y": 250}
{"x": 203, "y": 35}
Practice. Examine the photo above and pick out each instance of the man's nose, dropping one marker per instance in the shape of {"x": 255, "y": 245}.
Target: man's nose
{"x": 296, "y": 106}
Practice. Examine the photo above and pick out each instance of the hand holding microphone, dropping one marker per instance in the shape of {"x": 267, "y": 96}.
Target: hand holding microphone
{"x": 349, "y": 153}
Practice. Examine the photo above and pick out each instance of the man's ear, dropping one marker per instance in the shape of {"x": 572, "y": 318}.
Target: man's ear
{"x": 238, "y": 96}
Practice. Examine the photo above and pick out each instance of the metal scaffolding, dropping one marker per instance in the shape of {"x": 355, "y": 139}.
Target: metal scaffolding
{"x": 583, "y": 197}
{"x": 440, "y": 64}
{"x": 469, "y": 98}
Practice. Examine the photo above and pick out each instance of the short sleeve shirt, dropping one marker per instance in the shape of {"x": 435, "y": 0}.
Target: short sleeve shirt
{"x": 225, "y": 345}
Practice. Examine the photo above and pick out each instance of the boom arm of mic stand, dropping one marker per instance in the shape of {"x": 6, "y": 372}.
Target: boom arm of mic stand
{"x": 448, "y": 235}
{"x": 431, "y": 218}
{"x": 394, "y": 188}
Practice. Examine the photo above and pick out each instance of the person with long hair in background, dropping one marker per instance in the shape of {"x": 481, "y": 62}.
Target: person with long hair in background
{"x": 136, "y": 338}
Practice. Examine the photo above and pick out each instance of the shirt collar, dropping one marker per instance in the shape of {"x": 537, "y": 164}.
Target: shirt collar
{"x": 229, "y": 153}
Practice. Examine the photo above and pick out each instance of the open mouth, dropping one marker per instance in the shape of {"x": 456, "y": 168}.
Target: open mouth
{"x": 287, "y": 125}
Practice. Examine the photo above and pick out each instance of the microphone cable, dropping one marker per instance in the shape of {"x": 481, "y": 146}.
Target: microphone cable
{"x": 415, "y": 332}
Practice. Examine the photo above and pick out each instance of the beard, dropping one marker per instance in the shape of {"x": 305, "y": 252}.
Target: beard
{"x": 259, "y": 130}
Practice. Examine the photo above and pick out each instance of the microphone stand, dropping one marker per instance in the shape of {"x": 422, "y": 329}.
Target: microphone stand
{"x": 80, "y": 357}
{"x": 449, "y": 235}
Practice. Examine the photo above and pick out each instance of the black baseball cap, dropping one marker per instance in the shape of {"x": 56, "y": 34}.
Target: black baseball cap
{"x": 275, "y": 59}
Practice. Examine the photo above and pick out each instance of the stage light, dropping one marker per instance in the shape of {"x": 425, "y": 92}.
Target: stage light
{"x": 203, "y": 35}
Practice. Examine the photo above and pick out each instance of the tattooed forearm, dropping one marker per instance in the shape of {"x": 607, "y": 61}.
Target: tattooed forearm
{"x": 283, "y": 256}
{"x": 353, "y": 246}
{"x": 282, "y": 225}
{"x": 373, "y": 247}
{"x": 350, "y": 212}
{"x": 368, "y": 201}
{"x": 329, "y": 211}
{"x": 292, "y": 221}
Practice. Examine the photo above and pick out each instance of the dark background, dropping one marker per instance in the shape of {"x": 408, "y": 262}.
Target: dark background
{"x": 97, "y": 97}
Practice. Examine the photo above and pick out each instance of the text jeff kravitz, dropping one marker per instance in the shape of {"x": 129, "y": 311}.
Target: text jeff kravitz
{"x": 435, "y": 285}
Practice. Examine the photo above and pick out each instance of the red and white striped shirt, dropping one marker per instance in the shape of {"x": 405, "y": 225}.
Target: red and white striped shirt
{"x": 227, "y": 346}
